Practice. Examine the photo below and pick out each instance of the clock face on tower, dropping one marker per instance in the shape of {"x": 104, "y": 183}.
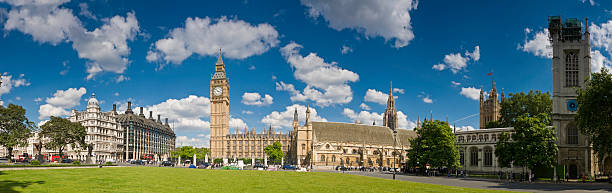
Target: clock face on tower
{"x": 572, "y": 105}
{"x": 218, "y": 91}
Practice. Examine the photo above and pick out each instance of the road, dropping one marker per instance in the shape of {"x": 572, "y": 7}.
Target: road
{"x": 494, "y": 184}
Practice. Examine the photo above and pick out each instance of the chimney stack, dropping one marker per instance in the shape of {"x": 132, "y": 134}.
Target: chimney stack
{"x": 159, "y": 118}
{"x": 141, "y": 112}
{"x": 166, "y": 121}
{"x": 150, "y": 114}
{"x": 114, "y": 107}
{"x": 129, "y": 109}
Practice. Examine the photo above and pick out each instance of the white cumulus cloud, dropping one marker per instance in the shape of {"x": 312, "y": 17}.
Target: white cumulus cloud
{"x": 470, "y": 92}
{"x": 376, "y": 96}
{"x": 198, "y": 141}
{"x": 538, "y": 44}
{"x": 456, "y": 61}
{"x": 346, "y": 49}
{"x": 389, "y": 19}
{"x": 204, "y": 36}
{"x": 327, "y": 83}
{"x": 61, "y": 100}
{"x": 105, "y": 48}
{"x": 365, "y": 107}
{"x": 185, "y": 114}
{"x": 368, "y": 118}
{"x": 285, "y": 118}
{"x": 9, "y": 82}
{"x": 256, "y": 99}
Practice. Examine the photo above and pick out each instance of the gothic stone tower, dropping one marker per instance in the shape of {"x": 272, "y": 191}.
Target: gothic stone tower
{"x": 490, "y": 108}
{"x": 390, "y": 115}
{"x": 302, "y": 139}
{"x": 571, "y": 61}
{"x": 219, "y": 109}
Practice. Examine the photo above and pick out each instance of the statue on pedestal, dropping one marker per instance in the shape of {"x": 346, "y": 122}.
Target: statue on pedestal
{"x": 38, "y": 147}
{"x": 89, "y": 149}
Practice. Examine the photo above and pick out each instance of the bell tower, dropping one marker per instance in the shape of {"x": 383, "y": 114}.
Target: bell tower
{"x": 219, "y": 110}
{"x": 571, "y": 63}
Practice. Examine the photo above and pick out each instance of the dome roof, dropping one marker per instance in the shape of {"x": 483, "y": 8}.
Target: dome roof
{"x": 92, "y": 100}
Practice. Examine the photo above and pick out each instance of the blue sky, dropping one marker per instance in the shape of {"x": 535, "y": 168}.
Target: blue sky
{"x": 337, "y": 56}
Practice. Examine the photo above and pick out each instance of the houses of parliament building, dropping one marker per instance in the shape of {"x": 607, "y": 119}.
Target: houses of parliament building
{"x": 321, "y": 144}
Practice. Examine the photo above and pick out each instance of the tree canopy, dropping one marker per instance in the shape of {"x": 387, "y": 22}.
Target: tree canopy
{"x": 594, "y": 116}
{"x": 187, "y": 152}
{"x": 274, "y": 151}
{"x": 531, "y": 104}
{"x": 15, "y": 128}
{"x": 533, "y": 143}
{"x": 434, "y": 145}
{"x": 62, "y": 132}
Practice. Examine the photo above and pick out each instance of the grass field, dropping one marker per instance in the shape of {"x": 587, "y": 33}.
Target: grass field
{"x": 151, "y": 179}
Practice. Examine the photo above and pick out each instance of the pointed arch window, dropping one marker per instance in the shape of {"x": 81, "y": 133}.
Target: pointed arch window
{"x": 571, "y": 69}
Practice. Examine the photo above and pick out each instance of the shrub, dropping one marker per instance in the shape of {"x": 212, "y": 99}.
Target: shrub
{"x": 77, "y": 162}
{"x": 109, "y": 163}
{"x": 34, "y": 162}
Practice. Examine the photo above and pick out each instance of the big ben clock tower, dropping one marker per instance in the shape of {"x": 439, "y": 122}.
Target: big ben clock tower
{"x": 219, "y": 109}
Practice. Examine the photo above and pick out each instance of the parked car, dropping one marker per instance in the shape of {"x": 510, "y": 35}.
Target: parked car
{"x": 4, "y": 160}
{"x": 66, "y": 160}
{"x": 167, "y": 163}
{"x": 258, "y": 165}
{"x": 289, "y": 167}
{"x": 138, "y": 162}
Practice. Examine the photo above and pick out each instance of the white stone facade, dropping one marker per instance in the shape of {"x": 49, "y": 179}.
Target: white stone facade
{"x": 103, "y": 131}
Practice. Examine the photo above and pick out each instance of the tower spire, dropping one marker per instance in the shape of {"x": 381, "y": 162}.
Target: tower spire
{"x": 220, "y": 59}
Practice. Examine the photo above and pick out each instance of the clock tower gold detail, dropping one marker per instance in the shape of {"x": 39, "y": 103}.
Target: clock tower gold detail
{"x": 219, "y": 109}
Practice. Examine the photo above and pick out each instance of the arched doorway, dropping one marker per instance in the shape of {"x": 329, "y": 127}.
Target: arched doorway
{"x": 573, "y": 171}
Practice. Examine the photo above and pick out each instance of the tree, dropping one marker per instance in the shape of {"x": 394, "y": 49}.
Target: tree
{"x": 274, "y": 151}
{"x": 521, "y": 104}
{"x": 187, "y": 152}
{"x": 494, "y": 124}
{"x": 533, "y": 143}
{"x": 434, "y": 145}
{"x": 15, "y": 128}
{"x": 504, "y": 150}
{"x": 61, "y": 133}
{"x": 594, "y": 116}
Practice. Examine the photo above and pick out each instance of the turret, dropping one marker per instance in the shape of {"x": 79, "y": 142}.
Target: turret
{"x": 307, "y": 122}
{"x": 295, "y": 119}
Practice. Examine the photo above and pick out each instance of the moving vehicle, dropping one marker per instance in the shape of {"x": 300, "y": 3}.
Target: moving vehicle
{"x": 167, "y": 163}
{"x": 66, "y": 160}
{"x": 289, "y": 167}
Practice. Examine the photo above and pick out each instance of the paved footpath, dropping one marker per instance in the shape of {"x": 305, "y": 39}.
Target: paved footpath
{"x": 493, "y": 184}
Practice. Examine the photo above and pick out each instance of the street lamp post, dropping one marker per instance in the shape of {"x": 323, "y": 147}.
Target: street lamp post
{"x": 394, "y": 143}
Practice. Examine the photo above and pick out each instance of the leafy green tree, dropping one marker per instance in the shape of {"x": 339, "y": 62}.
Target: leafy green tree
{"x": 61, "y": 133}
{"x": 15, "y": 129}
{"x": 594, "y": 116}
{"x": 274, "y": 151}
{"x": 533, "y": 143}
{"x": 520, "y": 104}
{"x": 187, "y": 152}
{"x": 504, "y": 150}
{"x": 434, "y": 145}
{"x": 218, "y": 161}
{"x": 494, "y": 124}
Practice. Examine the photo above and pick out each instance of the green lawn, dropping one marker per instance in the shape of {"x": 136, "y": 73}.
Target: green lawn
{"x": 151, "y": 179}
